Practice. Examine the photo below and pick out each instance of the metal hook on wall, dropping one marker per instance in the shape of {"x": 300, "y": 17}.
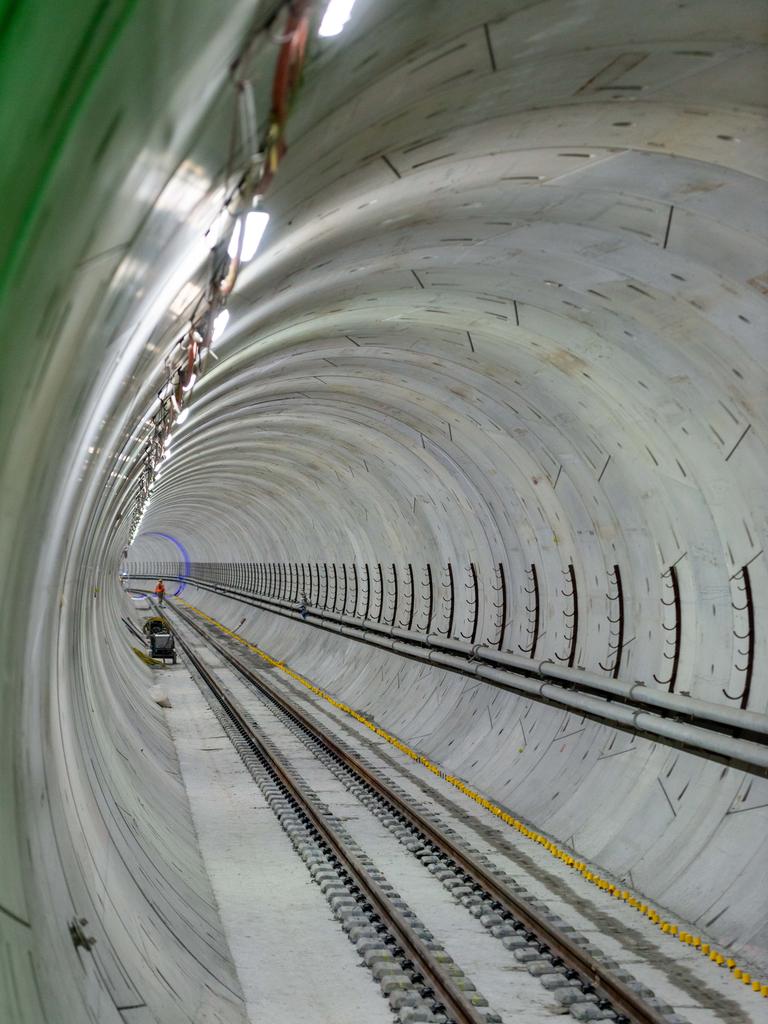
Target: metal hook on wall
{"x": 429, "y": 597}
{"x": 392, "y": 595}
{"x": 671, "y": 583}
{"x": 367, "y": 591}
{"x": 448, "y": 585}
{"x": 380, "y": 590}
{"x": 357, "y": 589}
{"x": 532, "y": 590}
{"x": 617, "y": 598}
{"x": 499, "y": 588}
{"x": 409, "y": 591}
{"x": 744, "y": 586}
{"x": 316, "y": 569}
{"x": 473, "y": 603}
{"x": 571, "y": 617}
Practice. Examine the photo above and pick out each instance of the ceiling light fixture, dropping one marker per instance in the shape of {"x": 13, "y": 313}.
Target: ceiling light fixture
{"x": 335, "y": 18}
{"x": 255, "y": 225}
{"x": 220, "y": 324}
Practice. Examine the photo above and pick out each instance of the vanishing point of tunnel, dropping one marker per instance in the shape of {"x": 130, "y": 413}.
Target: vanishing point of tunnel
{"x": 383, "y": 570}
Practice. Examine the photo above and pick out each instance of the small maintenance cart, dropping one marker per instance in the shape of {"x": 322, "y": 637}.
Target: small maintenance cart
{"x": 162, "y": 644}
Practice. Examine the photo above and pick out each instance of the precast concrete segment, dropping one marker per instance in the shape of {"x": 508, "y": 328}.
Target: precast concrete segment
{"x": 292, "y": 961}
{"x": 594, "y": 876}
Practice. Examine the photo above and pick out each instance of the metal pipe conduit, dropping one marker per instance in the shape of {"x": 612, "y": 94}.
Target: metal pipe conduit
{"x": 635, "y": 692}
{"x": 543, "y": 681}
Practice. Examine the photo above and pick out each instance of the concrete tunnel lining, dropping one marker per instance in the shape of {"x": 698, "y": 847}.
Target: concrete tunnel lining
{"x": 509, "y": 309}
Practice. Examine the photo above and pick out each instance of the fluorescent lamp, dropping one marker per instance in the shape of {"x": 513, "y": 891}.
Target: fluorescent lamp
{"x": 255, "y": 226}
{"x": 336, "y": 17}
{"x": 220, "y": 324}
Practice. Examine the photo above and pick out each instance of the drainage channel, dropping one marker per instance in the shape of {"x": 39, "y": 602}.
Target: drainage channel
{"x": 588, "y": 987}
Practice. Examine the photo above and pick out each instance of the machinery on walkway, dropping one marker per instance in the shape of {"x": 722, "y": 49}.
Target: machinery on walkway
{"x": 162, "y": 645}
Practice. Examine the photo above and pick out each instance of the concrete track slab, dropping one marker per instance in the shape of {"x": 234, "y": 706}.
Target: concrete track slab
{"x": 294, "y": 962}
{"x": 508, "y": 987}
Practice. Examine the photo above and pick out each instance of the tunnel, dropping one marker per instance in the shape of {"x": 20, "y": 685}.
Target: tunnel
{"x": 419, "y": 347}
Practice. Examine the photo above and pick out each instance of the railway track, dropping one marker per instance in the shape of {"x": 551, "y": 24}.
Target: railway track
{"x": 486, "y": 893}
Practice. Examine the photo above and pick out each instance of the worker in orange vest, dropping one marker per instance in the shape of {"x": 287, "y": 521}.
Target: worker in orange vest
{"x": 160, "y": 591}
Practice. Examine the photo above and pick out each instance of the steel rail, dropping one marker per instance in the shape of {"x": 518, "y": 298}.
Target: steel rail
{"x": 456, "y": 1002}
{"x": 623, "y": 998}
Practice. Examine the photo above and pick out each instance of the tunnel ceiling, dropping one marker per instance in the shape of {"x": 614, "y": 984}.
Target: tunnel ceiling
{"x": 508, "y": 310}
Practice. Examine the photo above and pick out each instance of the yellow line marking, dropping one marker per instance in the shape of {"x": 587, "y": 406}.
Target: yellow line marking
{"x": 145, "y": 657}
{"x": 637, "y": 903}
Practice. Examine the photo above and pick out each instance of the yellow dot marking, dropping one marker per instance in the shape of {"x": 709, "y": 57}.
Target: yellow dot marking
{"x": 508, "y": 819}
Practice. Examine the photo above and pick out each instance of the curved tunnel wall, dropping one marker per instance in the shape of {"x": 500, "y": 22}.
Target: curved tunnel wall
{"x": 509, "y": 308}
{"x": 501, "y": 322}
